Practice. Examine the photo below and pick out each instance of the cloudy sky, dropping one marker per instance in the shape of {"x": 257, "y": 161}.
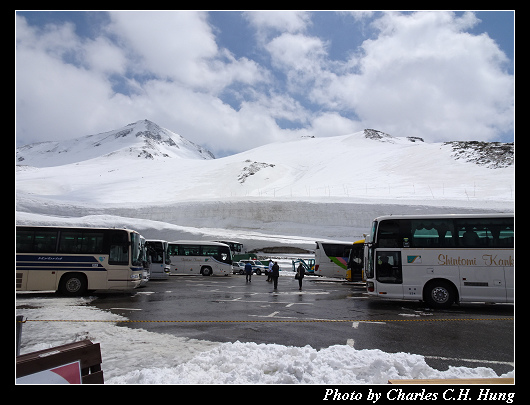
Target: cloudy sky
{"x": 231, "y": 81}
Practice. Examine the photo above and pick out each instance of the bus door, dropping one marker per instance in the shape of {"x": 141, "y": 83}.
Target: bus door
{"x": 388, "y": 272}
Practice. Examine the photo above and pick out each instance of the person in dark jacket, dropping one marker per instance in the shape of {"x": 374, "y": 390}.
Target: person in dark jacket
{"x": 275, "y": 274}
{"x": 248, "y": 271}
{"x": 300, "y": 273}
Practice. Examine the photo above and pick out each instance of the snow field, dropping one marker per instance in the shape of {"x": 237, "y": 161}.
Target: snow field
{"x": 285, "y": 193}
{"x": 136, "y": 356}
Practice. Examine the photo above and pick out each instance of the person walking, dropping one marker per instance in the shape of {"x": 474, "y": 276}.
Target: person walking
{"x": 248, "y": 271}
{"x": 275, "y": 274}
{"x": 269, "y": 273}
{"x": 300, "y": 273}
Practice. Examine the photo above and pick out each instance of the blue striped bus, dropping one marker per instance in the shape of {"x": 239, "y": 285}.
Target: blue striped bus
{"x": 74, "y": 261}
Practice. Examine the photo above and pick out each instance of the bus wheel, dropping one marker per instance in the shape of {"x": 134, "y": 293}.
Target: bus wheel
{"x": 206, "y": 271}
{"x": 439, "y": 294}
{"x": 73, "y": 284}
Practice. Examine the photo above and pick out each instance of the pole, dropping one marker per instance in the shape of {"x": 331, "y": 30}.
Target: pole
{"x": 18, "y": 331}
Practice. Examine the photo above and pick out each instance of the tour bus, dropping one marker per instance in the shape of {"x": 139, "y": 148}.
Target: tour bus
{"x": 199, "y": 257}
{"x": 238, "y": 252}
{"x": 158, "y": 255}
{"x": 354, "y": 271}
{"x": 235, "y": 247}
{"x": 441, "y": 259}
{"x": 76, "y": 260}
{"x": 331, "y": 259}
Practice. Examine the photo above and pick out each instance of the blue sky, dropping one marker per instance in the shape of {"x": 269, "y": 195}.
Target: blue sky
{"x": 232, "y": 81}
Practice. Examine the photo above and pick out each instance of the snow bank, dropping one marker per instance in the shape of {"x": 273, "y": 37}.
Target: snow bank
{"x": 255, "y": 223}
{"x": 137, "y": 356}
{"x": 251, "y": 363}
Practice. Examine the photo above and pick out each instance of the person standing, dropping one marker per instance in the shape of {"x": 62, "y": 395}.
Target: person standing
{"x": 275, "y": 274}
{"x": 300, "y": 273}
{"x": 248, "y": 271}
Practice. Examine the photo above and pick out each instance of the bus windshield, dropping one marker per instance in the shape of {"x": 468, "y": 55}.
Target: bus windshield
{"x": 137, "y": 251}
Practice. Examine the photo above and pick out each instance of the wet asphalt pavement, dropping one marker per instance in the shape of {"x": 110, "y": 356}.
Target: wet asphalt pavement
{"x": 471, "y": 335}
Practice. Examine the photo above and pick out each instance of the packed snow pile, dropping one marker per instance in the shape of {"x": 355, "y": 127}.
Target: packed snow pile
{"x": 251, "y": 363}
{"x": 136, "y": 356}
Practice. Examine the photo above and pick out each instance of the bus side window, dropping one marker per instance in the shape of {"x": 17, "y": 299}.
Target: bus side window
{"x": 119, "y": 248}
{"x": 485, "y": 232}
{"x": 24, "y": 241}
{"x": 389, "y": 234}
{"x": 432, "y": 233}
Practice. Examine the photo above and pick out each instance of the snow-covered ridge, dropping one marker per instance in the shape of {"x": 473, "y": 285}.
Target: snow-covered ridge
{"x": 144, "y": 164}
{"x": 141, "y": 139}
{"x": 328, "y": 188}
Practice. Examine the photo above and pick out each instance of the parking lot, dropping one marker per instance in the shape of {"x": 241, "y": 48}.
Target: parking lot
{"x": 324, "y": 313}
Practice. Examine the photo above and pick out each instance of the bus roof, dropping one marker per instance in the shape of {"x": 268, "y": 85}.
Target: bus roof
{"x": 197, "y": 242}
{"x": 335, "y": 243}
{"x": 444, "y": 216}
{"x": 77, "y": 227}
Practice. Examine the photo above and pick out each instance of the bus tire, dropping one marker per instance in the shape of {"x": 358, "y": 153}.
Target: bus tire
{"x": 206, "y": 271}
{"x": 73, "y": 284}
{"x": 439, "y": 294}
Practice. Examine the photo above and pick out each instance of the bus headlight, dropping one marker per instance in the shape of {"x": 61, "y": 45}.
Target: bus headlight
{"x": 370, "y": 286}
{"x": 135, "y": 276}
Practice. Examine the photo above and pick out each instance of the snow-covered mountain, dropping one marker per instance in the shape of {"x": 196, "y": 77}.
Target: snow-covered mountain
{"x": 142, "y": 139}
{"x": 310, "y": 187}
{"x": 143, "y": 163}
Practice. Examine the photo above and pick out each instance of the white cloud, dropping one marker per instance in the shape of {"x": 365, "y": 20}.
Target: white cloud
{"x": 103, "y": 56}
{"x": 174, "y": 45}
{"x": 422, "y": 75}
{"x": 180, "y": 46}
{"x": 296, "y": 51}
{"x": 418, "y": 74}
{"x": 279, "y": 20}
{"x": 51, "y": 95}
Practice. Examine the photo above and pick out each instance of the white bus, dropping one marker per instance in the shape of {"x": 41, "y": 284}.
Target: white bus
{"x": 199, "y": 257}
{"x": 158, "y": 258}
{"x": 441, "y": 259}
{"x": 76, "y": 260}
{"x": 331, "y": 259}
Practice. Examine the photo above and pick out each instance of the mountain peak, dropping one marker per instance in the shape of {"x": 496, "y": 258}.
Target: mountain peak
{"x": 141, "y": 139}
{"x": 376, "y": 135}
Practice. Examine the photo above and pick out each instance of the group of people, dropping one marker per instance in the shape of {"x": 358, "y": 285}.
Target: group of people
{"x": 274, "y": 273}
